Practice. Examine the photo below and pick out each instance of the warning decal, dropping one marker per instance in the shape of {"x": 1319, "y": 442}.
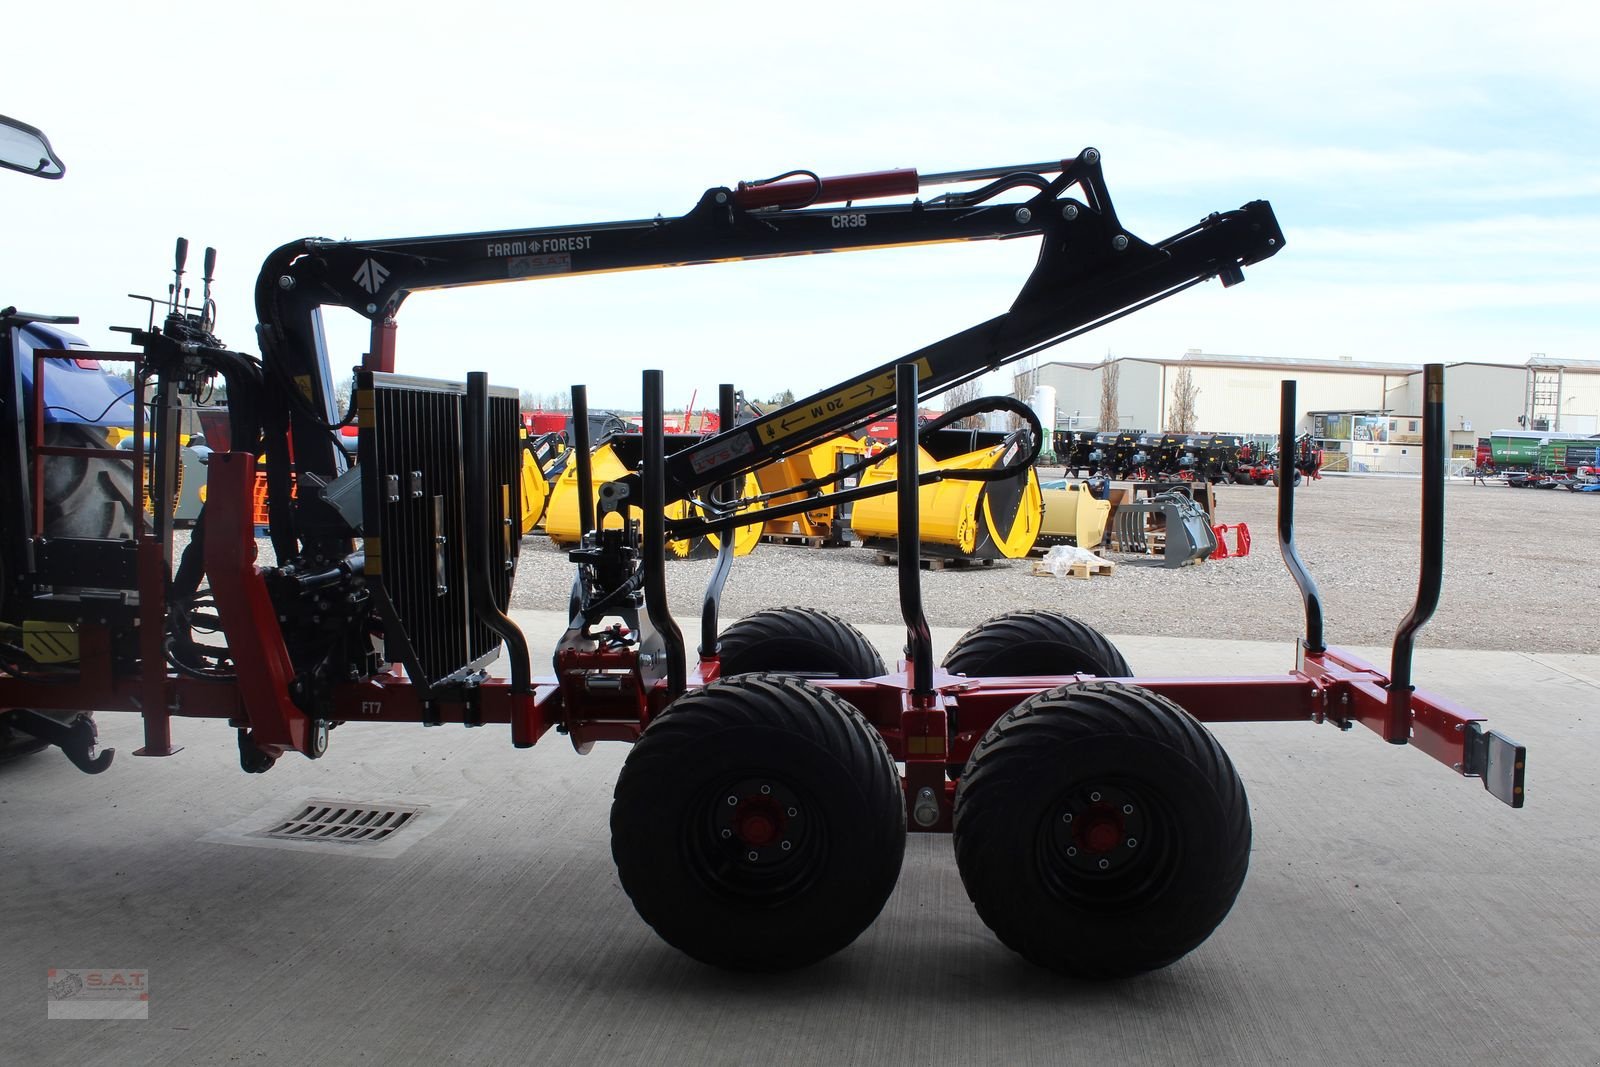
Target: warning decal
{"x": 869, "y": 392}
{"x": 732, "y": 448}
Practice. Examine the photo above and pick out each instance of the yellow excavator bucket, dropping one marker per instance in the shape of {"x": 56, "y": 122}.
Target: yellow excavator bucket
{"x": 1072, "y": 513}
{"x": 561, "y": 513}
{"x": 535, "y": 492}
{"x": 960, "y": 519}
{"x": 815, "y": 462}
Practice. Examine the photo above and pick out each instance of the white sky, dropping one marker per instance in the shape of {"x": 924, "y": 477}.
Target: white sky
{"x": 1436, "y": 168}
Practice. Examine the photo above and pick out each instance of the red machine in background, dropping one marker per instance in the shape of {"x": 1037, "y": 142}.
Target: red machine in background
{"x": 1257, "y": 466}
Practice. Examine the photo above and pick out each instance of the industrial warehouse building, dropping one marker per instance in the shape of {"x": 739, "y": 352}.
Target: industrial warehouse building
{"x": 1365, "y": 414}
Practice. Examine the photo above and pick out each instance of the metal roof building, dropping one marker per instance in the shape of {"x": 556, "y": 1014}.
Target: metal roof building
{"x": 1240, "y": 394}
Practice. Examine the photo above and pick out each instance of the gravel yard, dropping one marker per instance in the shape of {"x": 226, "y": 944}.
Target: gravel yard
{"x": 1522, "y": 571}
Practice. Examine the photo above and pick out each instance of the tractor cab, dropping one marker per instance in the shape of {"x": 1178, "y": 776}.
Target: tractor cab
{"x": 26, "y": 149}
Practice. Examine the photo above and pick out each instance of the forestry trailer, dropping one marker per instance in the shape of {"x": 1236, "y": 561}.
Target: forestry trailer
{"x": 761, "y": 816}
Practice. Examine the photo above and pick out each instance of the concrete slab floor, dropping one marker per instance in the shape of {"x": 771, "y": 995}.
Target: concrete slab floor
{"x": 1393, "y": 914}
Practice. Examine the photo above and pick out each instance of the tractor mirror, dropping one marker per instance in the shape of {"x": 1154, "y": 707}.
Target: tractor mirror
{"x": 26, "y": 149}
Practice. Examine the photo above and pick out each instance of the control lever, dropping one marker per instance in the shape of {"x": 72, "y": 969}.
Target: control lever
{"x": 175, "y": 291}
{"x": 208, "y": 313}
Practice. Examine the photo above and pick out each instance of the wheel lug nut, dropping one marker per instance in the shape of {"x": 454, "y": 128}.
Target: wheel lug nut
{"x": 1104, "y": 864}
{"x": 1067, "y": 817}
{"x": 1127, "y": 809}
{"x": 1071, "y": 851}
{"x": 754, "y": 856}
{"x": 733, "y": 802}
{"x": 1094, "y": 797}
{"x": 1133, "y": 842}
{"x": 793, "y": 812}
{"x": 765, "y": 790}
{"x": 787, "y": 845}
{"x": 727, "y": 833}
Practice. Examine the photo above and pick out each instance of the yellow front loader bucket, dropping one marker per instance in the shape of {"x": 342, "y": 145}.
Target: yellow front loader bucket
{"x": 1073, "y": 514}
{"x": 561, "y": 513}
{"x": 815, "y": 462}
{"x": 535, "y": 492}
{"x": 960, "y": 519}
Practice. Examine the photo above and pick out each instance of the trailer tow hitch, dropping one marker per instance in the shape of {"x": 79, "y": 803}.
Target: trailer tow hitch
{"x": 76, "y": 739}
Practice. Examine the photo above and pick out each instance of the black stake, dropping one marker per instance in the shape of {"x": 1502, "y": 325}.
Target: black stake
{"x": 919, "y": 639}
{"x": 1291, "y": 556}
{"x": 712, "y": 602}
{"x": 653, "y": 488}
{"x": 580, "y": 445}
{"x": 1431, "y": 577}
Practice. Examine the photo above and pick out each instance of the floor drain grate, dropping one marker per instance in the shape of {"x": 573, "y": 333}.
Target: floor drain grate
{"x": 371, "y": 826}
{"x": 343, "y": 822}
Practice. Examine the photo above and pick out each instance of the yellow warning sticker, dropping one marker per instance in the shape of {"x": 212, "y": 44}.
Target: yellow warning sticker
{"x": 869, "y": 393}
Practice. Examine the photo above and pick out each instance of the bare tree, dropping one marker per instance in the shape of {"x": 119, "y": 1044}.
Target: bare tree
{"x": 1110, "y": 371}
{"x": 957, "y": 395}
{"x": 1183, "y": 414}
{"x": 341, "y": 396}
{"x": 556, "y": 401}
{"x": 1025, "y": 379}
{"x": 1022, "y": 385}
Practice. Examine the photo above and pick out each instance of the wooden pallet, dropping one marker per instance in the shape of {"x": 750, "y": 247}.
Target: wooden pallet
{"x": 1154, "y": 541}
{"x": 1042, "y": 548}
{"x": 938, "y": 563}
{"x": 806, "y": 540}
{"x": 1084, "y": 569}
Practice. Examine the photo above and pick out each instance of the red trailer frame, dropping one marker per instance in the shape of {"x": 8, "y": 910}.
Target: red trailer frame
{"x": 1325, "y": 685}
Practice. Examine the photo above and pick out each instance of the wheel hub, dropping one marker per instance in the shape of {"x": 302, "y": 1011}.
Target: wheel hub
{"x": 1098, "y": 829}
{"x": 758, "y": 818}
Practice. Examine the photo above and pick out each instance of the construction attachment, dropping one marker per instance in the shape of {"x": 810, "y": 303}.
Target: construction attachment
{"x": 997, "y": 519}
{"x": 1241, "y": 539}
{"x": 824, "y": 524}
{"x": 617, "y": 458}
{"x": 1072, "y": 514}
{"x": 1169, "y": 524}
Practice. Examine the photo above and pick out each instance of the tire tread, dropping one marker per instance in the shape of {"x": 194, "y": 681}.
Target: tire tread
{"x": 664, "y": 759}
{"x": 1024, "y": 637}
{"x": 1009, "y": 761}
{"x": 797, "y": 639}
